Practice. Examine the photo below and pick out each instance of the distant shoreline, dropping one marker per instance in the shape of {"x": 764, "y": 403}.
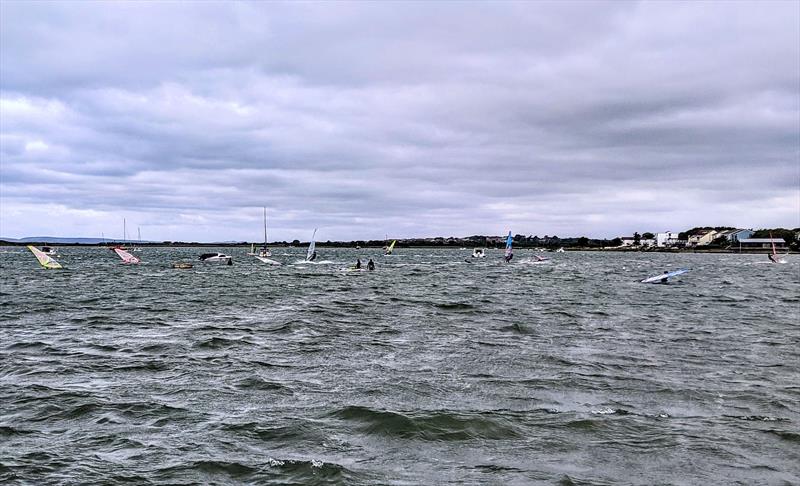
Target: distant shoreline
{"x": 350, "y": 245}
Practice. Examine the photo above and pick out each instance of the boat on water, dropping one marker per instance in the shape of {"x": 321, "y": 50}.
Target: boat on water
{"x": 216, "y": 258}
{"x": 311, "y": 254}
{"x": 390, "y": 248}
{"x": 44, "y": 260}
{"x": 560, "y": 250}
{"x": 182, "y": 265}
{"x": 478, "y": 253}
{"x": 139, "y": 240}
{"x": 264, "y": 253}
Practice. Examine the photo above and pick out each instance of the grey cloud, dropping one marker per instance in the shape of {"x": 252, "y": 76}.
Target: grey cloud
{"x": 425, "y": 118}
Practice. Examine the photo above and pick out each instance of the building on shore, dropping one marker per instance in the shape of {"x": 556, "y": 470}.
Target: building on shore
{"x": 733, "y": 236}
{"x": 669, "y": 239}
{"x": 761, "y": 243}
{"x": 702, "y": 238}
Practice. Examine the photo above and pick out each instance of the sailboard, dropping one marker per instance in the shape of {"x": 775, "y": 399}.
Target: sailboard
{"x": 126, "y": 257}
{"x": 664, "y": 276}
{"x": 390, "y": 248}
{"x": 44, "y": 260}
{"x": 311, "y": 253}
{"x": 774, "y": 257}
{"x": 509, "y": 251}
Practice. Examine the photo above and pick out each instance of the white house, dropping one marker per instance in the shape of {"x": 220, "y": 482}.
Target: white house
{"x": 702, "y": 238}
{"x": 668, "y": 238}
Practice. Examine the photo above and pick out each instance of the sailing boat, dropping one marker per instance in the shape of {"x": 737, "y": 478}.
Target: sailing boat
{"x": 44, "y": 260}
{"x": 139, "y": 239}
{"x": 390, "y": 248}
{"x": 509, "y": 252}
{"x": 264, "y": 254}
{"x": 311, "y": 254}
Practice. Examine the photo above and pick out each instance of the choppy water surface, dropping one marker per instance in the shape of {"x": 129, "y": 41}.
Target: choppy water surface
{"x": 429, "y": 370}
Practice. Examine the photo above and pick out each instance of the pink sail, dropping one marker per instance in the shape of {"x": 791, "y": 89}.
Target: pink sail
{"x": 126, "y": 257}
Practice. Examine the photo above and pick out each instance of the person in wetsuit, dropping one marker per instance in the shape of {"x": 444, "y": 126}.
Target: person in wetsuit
{"x": 358, "y": 263}
{"x": 370, "y": 265}
{"x": 313, "y": 257}
{"x": 665, "y": 279}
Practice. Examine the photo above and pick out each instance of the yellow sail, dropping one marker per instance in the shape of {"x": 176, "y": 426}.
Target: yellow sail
{"x": 391, "y": 247}
{"x": 44, "y": 260}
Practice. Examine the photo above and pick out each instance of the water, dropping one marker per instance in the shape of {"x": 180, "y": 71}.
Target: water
{"x": 427, "y": 371}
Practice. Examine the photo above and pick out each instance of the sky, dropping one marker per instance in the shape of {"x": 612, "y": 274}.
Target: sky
{"x": 398, "y": 119}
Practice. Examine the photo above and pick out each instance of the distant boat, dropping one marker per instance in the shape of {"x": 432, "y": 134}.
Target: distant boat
{"x": 560, "y": 250}
{"x": 264, "y": 254}
{"x": 478, "y": 253}
{"x": 390, "y": 248}
{"x": 311, "y": 254}
{"x": 49, "y": 250}
{"x": 139, "y": 235}
{"x": 217, "y": 258}
{"x": 126, "y": 257}
{"x": 44, "y": 260}
{"x": 509, "y": 252}
{"x": 263, "y": 251}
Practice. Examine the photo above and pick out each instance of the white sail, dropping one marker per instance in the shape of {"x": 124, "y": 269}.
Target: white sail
{"x": 310, "y": 254}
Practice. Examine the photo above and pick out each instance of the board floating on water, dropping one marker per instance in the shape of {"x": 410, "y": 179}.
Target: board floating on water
{"x": 44, "y": 259}
{"x": 659, "y": 278}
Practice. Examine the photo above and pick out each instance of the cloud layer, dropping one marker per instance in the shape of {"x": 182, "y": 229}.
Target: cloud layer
{"x": 414, "y": 119}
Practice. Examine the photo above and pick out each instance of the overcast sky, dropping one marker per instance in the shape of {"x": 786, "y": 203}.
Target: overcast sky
{"x": 397, "y": 118}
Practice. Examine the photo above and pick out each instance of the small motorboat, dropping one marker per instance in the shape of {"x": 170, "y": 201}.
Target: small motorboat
{"x": 478, "y": 253}
{"x": 182, "y": 265}
{"x": 217, "y": 258}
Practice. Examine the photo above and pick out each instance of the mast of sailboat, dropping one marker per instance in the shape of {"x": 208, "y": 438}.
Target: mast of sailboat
{"x": 265, "y": 228}
{"x": 124, "y": 232}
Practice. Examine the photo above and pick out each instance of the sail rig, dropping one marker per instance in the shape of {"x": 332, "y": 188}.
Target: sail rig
{"x": 44, "y": 260}
{"x": 509, "y": 252}
{"x": 126, "y": 257}
{"x": 311, "y": 253}
{"x": 390, "y": 248}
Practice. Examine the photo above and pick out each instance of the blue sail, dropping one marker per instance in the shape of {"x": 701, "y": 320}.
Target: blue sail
{"x": 509, "y": 242}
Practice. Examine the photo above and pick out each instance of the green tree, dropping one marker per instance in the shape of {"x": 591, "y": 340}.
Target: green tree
{"x": 637, "y": 239}
{"x": 648, "y": 236}
{"x": 583, "y": 241}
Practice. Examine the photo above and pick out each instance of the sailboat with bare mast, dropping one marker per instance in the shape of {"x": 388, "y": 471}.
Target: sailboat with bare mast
{"x": 264, "y": 253}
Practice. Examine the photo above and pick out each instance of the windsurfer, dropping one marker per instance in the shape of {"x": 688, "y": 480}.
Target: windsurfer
{"x": 370, "y": 265}
{"x": 358, "y": 263}
{"x": 665, "y": 279}
{"x": 313, "y": 257}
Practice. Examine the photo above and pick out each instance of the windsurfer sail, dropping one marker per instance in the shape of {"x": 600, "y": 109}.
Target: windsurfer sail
{"x": 44, "y": 260}
{"x": 390, "y": 248}
{"x": 311, "y": 254}
{"x": 126, "y": 257}
{"x": 773, "y": 257}
{"x": 509, "y": 252}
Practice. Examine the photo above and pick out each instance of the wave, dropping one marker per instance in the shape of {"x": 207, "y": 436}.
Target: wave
{"x": 439, "y": 426}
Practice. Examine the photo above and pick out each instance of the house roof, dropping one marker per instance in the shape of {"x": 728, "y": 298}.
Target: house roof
{"x": 762, "y": 240}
